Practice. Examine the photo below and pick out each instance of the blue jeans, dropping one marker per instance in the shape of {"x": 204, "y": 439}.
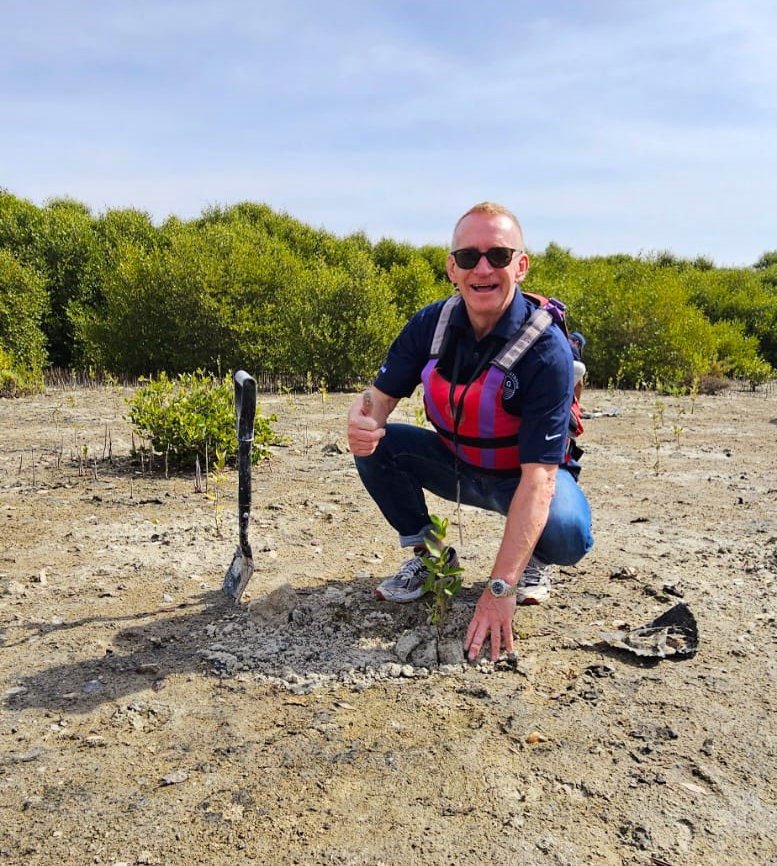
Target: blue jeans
{"x": 410, "y": 459}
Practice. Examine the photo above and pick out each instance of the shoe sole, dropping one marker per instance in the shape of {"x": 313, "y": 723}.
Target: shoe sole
{"x": 537, "y": 598}
{"x": 405, "y": 600}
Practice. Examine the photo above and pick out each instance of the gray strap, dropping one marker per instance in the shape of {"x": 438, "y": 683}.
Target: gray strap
{"x": 539, "y": 321}
{"x": 442, "y": 324}
{"x": 526, "y": 336}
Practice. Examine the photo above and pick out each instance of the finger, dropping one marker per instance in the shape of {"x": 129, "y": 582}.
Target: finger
{"x": 470, "y": 633}
{"x": 477, "y": 642}
{"x": 509, "y": 637}
{"x": 496, "y": 643}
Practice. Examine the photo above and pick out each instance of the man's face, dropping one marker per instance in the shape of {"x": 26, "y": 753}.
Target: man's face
{"x": 487, "y": 290}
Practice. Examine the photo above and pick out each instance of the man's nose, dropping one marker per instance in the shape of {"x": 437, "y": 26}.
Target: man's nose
{"x": 483, "y": 265}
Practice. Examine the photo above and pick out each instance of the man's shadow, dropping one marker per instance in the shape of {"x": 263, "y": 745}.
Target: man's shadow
{"x": 140, "y": 656}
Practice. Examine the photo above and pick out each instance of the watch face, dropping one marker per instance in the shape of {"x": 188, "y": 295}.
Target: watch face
{"x": 498, "y": 588}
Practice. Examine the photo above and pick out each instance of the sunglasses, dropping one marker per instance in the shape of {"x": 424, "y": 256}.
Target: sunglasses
{"x": 498, "y": 257}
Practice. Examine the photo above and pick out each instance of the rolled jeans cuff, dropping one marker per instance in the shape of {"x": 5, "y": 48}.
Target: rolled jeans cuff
{"x": 418, "y": 539}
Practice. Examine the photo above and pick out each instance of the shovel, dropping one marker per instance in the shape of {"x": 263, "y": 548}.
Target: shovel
{"x": 239, "y": 573}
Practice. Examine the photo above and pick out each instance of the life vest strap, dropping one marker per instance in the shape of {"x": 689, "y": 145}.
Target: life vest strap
{"x": 523, "y": 339}
{"x": 515, "y": 348}
{"x": 442, "y": 325}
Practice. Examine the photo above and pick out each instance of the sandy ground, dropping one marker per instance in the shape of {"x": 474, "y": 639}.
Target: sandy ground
{"x": 148, "y": 720}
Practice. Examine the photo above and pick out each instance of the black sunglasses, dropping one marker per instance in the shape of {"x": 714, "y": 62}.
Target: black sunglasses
{"x": 498, "y": 257}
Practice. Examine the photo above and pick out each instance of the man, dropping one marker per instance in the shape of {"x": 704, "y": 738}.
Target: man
{"x": 500, "y": 448}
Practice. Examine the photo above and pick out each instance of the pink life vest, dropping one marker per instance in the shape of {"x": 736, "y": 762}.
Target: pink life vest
{"x": 474, "y": 424}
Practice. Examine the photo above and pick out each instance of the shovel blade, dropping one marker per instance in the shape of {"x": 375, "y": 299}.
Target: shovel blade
{"x": 238, "y": 574}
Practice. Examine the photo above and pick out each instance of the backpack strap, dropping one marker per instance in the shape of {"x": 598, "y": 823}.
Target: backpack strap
{"x": 523, "y": 339}
{"x": 515, "y": 348}
{"x": 442, "y": 324}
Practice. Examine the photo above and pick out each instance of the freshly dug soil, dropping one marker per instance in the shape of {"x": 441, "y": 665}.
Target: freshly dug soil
{"x": 147, "y": 719}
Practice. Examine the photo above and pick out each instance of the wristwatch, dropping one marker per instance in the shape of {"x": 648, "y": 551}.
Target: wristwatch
{"x": 500, "y": 588}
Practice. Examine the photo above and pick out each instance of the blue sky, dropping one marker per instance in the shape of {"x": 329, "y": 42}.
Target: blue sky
{"x": 607, "y": 126}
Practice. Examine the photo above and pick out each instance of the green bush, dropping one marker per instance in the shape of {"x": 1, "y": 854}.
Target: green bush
{"x": 192, "y": 415}
{"x": 22, "y": 306}
{"x": 246, "y": 286}
{"x": 648, "y": 323}
{"x": 16, "y": 381}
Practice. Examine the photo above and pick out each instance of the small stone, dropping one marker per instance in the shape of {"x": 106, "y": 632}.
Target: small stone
{"x": 450, "y": 652}
{"x": 92, "y": 687}
{"x": 425, "y": 654}
{"x": 406, "y": 643}
{"x": 15, "y": 690}
{"x": 276, "y": 606}
{"x": 174, "y": 778}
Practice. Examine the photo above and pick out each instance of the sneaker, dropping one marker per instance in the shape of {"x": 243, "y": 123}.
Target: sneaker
{"x": 408, "y": 583}
{"x": 534, "y": 585}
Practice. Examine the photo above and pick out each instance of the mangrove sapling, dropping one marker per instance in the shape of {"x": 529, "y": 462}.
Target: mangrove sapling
{"x": 657, "y": 420}
{"x": 443, "y": 579}
{"x": 219, "y": 476}
{"x": 677, "y": 427}
{"x": 694, "y": 392}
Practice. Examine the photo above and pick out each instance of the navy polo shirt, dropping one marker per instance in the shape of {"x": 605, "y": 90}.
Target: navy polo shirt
{"x": 539, "y": 388}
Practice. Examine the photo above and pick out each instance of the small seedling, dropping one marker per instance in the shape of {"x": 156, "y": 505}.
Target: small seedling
{"x": 694, "y": 392}
{"x": 286, "y": 391}
{"x": 676, "y": 431}
{"x": 219, "y": 476}
{"x": 443, "y": 580}
{"x": 657, "y": 420}
{"x": 677, "y": 427}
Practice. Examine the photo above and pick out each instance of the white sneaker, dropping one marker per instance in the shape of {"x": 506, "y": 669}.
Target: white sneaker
{"x": 408, "y": 583}
{"x": 534, "y": 585}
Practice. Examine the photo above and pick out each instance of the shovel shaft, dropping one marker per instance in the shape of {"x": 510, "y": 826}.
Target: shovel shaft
{"x": 245, "y": 412}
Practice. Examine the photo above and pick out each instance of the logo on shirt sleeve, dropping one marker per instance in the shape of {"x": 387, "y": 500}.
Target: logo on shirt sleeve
{"x": 510, "y": 386}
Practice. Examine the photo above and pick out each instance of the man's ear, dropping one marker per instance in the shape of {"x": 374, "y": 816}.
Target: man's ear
{"x": 523, "y": 268}
{"x": 450, "y": 269}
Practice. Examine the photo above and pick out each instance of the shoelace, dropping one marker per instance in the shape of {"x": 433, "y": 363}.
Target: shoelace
{"x": 411, "y": 569}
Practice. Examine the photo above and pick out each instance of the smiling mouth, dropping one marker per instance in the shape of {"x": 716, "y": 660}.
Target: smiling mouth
{"x": 483, "y": 287}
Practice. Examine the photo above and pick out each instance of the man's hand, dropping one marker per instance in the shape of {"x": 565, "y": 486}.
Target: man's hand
{"x": 364, "y": 429}
{"x": 492, "y": 616}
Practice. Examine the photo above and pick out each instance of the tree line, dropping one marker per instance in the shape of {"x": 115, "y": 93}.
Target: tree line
{"x": 248, "y": 287}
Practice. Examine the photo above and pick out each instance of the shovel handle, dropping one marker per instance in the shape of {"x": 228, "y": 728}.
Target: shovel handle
{"x": 245, "y": 405}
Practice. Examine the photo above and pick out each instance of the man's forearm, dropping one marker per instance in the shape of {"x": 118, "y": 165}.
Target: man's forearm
{"x": 525, "y": 521}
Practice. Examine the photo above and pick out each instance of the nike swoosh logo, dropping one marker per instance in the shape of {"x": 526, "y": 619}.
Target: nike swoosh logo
{"x": 554, "y": 436}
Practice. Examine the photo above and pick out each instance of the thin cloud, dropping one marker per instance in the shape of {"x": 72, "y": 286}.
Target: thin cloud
{"x": 610, "y": 127}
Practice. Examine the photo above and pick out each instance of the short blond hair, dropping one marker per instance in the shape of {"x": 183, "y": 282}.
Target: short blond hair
{"x": 489, "y": 208}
